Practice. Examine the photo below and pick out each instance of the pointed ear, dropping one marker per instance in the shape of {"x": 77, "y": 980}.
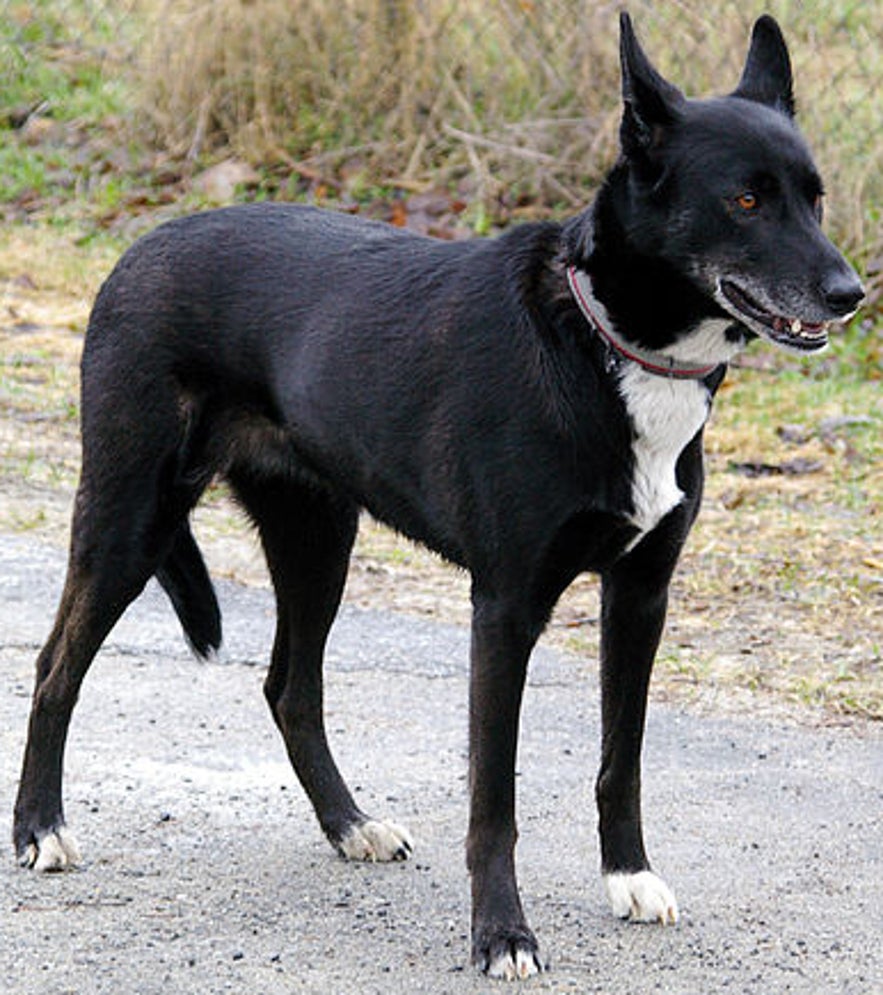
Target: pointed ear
{"x": 650, "y": 102}
{"x": 767, "y": 78}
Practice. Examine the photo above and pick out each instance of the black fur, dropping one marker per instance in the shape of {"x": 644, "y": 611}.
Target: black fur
{"x": 321, "y": 364}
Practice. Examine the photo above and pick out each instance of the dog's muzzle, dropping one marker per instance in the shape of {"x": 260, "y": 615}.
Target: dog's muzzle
{"x": 790, "y": 331}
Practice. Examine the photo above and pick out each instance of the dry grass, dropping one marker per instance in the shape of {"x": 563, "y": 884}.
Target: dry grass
{"x": 513, "y": 94}
{"x": 510, "y": 105}
{"x": 395, "y": 83}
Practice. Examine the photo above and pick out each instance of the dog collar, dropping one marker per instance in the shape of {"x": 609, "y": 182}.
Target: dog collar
{"x": 653, "y": 362}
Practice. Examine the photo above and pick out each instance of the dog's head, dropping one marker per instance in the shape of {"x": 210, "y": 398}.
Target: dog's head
{"x": 725, "y": 190}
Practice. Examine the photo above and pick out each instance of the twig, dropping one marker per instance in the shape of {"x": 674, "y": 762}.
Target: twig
{"x": 200, "y": 130}
{"x": 531, "y": 155}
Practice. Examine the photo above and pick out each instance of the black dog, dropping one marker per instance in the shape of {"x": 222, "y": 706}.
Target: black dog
{"x": 530, "y": 407}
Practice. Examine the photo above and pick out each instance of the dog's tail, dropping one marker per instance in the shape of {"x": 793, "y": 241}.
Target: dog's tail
{"x": 185, "y": 579}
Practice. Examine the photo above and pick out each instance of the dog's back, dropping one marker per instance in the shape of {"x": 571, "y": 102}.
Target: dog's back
{"x": 275, "y": 329}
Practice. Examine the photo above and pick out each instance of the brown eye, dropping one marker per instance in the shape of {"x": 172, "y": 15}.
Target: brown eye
{"x": 747, "y": 201}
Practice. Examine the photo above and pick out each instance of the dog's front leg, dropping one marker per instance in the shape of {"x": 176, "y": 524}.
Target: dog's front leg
{"x": 502, "y": 944}
{"x": 634, "y": 600}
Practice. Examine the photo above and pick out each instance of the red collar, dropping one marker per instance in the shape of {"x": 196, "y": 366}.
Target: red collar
{"x": 653, "y": 362}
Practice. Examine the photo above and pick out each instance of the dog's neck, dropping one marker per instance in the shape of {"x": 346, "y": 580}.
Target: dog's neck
{"x": 657, "y": 363}
{"x": 644, "y": 310}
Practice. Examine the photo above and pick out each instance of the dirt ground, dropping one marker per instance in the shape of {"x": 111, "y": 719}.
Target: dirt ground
{"x": 777, "y": 604}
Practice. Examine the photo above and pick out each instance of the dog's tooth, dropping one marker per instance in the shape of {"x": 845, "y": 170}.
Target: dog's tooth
{"x": 796, "y": 326}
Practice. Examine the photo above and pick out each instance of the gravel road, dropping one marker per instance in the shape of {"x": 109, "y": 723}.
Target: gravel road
{"x": 205, "y": 871}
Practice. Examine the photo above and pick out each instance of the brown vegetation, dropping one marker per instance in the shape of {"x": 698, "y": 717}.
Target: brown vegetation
{"x": 520, "y": 96}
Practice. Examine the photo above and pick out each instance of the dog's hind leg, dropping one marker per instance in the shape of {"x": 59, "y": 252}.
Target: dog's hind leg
{"x": 130, "y": 503}
{"x": 307, "y": 534}
{"x": 107, "y": 569}
{"x": 85, "y": 616}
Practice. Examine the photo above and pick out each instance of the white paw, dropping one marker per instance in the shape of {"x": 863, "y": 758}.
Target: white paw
{"x": 525, "y": 964}
{"x": 375, "y": 840}
{"x": 56, "y": 851}
{"x": 641, "y": 897}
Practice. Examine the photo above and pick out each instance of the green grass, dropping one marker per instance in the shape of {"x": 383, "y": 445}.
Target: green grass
{"x": 24, "y": 170}
{"x": 61, "y": 85}
{"x": 55, "y": 56}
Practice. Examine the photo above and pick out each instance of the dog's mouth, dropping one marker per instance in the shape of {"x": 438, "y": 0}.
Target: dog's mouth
{"x": 788, "y": 332}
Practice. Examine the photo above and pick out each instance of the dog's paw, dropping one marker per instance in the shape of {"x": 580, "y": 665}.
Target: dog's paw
{"x": 376, "y": 840}
{"x": 641, "y": 897}
{"x": 508, "y": 956}
{"x": 56, "y": 851}
{"x": 517, "y": 965}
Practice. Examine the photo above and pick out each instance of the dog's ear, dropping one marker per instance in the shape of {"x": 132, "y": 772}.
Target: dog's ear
{"x": 767, "y": 75}
{"x": 651, "y": 103}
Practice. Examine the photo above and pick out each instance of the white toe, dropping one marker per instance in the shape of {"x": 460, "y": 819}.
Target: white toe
{"x": 523, "y": 965}
{"x": 56, "y": 851}
{"x": 376, "y": 840}
{"x": 641, "y": 897}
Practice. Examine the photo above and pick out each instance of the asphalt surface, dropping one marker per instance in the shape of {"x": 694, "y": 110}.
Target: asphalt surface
{"x": 204, "y": 870}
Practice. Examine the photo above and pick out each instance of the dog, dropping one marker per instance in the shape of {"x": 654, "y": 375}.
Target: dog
{"x": 529, "y": 406}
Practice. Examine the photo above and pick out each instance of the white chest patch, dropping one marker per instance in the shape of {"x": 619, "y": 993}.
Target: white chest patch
{"x": 665, "y": 415}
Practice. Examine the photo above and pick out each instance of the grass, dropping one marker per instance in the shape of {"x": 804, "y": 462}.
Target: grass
{"x": 507, "y": 103}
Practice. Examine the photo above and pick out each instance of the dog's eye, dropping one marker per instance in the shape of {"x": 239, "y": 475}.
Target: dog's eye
{"x": 818, "y": 206}
{"x": 748, "y": 201}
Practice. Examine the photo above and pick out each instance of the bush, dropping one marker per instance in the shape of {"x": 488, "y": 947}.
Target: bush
{"x": 517, "y": 93}
{"x": 498, "y": 99}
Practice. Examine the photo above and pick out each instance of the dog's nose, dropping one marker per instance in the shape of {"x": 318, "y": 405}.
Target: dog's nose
{"x": 843, "y": 293}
